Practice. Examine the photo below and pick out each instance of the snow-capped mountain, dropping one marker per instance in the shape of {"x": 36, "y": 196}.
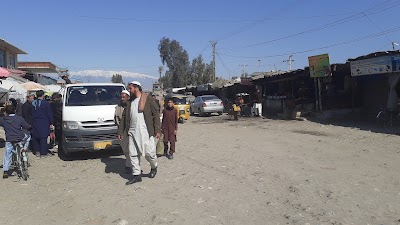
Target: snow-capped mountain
{"x": 106, "y": 75}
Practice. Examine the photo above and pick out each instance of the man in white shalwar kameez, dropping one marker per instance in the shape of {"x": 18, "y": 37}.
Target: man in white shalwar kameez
{"x": 140, "y": 123}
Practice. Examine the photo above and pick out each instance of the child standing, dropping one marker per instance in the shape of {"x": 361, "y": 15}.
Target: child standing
{"x": 169, "y": 128}
{"x": 13, "y": 125}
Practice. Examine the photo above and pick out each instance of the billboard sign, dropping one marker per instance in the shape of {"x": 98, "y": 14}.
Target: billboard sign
{"x": 319, "y": 65}
{"x": 378, "y": 65}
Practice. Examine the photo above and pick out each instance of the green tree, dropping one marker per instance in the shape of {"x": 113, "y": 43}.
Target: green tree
{"x": 177, "y": 60}
{"x": 117, "y": 78}
{"x": 166, "y": 80}
{"x": 208, "y": 74}
{"x": 180, "y": 71}
{"x": 197, "y": 70}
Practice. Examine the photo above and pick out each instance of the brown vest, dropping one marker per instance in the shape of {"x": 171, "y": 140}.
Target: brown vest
{"x": 151, "y": 114}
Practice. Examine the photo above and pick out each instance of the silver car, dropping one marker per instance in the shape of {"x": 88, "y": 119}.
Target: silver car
{"x": 207, "y": 104}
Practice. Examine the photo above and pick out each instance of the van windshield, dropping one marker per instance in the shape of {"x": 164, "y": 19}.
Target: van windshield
{"x": 93, "y": 95}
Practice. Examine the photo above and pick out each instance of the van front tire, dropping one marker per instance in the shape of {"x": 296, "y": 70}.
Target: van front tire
{"x": 62, "y": 154}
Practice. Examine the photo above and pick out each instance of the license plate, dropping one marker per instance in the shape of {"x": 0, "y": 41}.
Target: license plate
{"x": 102, "y": 145}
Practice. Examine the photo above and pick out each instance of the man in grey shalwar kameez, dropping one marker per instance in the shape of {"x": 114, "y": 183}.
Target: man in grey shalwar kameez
{"x": 140, "y": 124}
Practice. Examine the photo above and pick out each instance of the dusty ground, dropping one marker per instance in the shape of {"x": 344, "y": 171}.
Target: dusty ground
{"x": 255, "y": 171}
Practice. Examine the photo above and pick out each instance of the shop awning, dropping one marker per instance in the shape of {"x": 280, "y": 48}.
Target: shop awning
{"x": 19, "y": 73}
{"x": 4, "y": 73}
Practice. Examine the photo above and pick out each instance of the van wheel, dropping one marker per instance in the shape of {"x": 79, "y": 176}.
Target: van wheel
{"x": 181, "y": 120}
{"x": 62, "y": 154}
{"x": 219, "y": 113}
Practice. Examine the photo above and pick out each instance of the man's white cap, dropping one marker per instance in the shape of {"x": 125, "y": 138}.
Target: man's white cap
{"x": 126, "y": 92}
{"x": 136, "y": 83}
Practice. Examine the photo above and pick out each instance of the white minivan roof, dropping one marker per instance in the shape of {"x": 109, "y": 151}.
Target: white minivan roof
{"x": 94, "y": 84}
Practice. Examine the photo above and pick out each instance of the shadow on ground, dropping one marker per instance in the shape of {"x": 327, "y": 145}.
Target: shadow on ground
{"x": 80, "y": 156}
{"x": 360, "y": 123}
{"x": 117, "y": 166}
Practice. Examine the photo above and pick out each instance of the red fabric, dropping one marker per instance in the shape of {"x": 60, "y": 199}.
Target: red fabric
{"x": 4, "y": 72}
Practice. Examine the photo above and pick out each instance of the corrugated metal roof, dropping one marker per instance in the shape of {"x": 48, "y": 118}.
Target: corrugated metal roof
{"x": 376, "y": 54}
{"x": 261, "y": 75}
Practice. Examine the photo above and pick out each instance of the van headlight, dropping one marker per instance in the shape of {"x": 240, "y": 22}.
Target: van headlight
{"x": 70, "y": 125}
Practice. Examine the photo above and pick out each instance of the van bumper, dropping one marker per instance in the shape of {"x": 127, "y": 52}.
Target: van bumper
{"x": 86, "y": 140}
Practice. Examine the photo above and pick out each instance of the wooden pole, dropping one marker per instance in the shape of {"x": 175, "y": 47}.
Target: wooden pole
{"x": 319, "y": 94}
{"x": 316, "y": 94}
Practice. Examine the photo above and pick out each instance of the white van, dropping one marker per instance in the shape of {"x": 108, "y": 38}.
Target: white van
{"x": 88, "y": 117}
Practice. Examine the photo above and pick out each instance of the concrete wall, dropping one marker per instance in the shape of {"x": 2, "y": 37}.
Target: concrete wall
{"x": 8, "y": 52}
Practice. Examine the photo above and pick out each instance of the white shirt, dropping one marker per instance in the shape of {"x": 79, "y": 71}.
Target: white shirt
{"x": 138, "y": 128}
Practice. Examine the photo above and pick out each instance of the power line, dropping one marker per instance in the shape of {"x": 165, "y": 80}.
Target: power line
{"x": 278, "y": 12}
{"x": 224, "y": 65}
{"x": 325, "y": 47}
{"x": 331, "y": 24}
{"x": 206, "y": 21}
{"x": 377, "y": 26}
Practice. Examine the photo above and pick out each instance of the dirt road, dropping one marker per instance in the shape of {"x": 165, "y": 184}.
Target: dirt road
{"x": 254, "y": 171}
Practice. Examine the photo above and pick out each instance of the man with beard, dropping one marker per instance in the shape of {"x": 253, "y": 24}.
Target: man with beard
{"x": 119, "y": 109}
{"x": 140, "y": 124}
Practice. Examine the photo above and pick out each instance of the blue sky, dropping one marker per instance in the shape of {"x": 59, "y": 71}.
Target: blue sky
{"x": 123, "y": 35}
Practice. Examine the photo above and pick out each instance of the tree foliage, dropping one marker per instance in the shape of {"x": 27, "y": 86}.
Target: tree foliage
{"x": 180, "y": 71}
{"x": 117, "y": 78}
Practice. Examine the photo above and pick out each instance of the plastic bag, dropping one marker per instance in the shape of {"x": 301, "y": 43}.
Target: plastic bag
{"x": 160, "y": 145}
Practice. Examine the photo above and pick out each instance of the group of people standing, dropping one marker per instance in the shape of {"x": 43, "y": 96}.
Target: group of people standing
{"x": 139, "y": 129}
{"x": 31, "y": 125}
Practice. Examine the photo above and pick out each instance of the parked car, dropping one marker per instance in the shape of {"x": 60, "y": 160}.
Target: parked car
{"x": 88, "y": 117}
{"x": 207, "y": 104}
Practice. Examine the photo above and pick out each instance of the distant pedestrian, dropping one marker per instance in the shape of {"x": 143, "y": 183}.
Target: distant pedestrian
{"x": 42, "y": 120}
{"x": 13, "y": 125}
{"x": 56, "y": 108}
{"x": 26, "y": 109}
{"x": 66, "y": 79}
{"x": 157, "y": 102}
{"x": 169, "y": 128}
{"x": 140, "y": 123}
{"x": 119, "y": 109}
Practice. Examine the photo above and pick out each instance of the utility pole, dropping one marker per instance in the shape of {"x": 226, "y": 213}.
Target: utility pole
{"x": 213, "y": 44}
{"x": 160, "y": 70}
{"x": 243, "y": 69}
{"x": 289, "y": 61}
